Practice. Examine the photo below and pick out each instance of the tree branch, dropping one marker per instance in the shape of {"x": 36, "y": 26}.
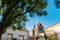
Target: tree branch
{"x": 24, "y": 12}
{"x": 9, "y": 10}
{"x": 10, "y": 21}
{"x": 8, "y": 18}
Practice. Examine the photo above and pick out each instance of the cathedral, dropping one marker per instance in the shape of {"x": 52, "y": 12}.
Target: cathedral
{"x": 35, "y": 32}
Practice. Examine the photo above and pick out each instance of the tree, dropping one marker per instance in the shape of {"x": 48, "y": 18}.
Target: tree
{"x": 14, "y": 10}
{"x": 57, "y": 3}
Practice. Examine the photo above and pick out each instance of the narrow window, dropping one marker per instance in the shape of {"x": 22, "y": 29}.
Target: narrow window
{"x": 10, "y": 36}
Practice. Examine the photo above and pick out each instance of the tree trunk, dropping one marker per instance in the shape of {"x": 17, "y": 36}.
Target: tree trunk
{"x": 0, "y": 35}
{"x": 1, "y": 30}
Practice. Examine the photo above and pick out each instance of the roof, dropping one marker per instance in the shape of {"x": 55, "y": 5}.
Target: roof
{"x": 17, "y": 29}
{"x": 53, "y": 26}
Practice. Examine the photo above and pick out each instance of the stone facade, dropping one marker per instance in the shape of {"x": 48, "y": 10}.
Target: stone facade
{"x": 15, "y": 35}
{"x": 36, "y": 31}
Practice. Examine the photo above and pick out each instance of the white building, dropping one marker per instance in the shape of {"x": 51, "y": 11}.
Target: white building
{"x": 15, "y": 35}
{"x": 53, "y": 32}
{"x": 34, "y": 33}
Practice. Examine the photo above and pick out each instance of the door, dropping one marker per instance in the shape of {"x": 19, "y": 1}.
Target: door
{"x": 14, "y": 38}
{"x": 21, "y": 37}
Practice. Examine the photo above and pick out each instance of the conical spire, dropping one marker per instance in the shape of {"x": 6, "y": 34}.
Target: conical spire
{"x": 39, "y": 24}
{"x": 34, "y": 25}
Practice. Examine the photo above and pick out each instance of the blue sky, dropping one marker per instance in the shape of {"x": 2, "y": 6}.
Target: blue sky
{"x": 52, "y": 18}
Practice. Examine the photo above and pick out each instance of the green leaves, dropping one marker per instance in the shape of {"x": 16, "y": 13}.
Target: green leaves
{"x": 57, "y": 3}
{"x": 24, "y": 5}
{"x": 14, "y": 28}
{"x": 41, "y": 4}
{"x": 14, "y": 11}
{"x": 30, "y": 2}
{"x": 41, "y": 13}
